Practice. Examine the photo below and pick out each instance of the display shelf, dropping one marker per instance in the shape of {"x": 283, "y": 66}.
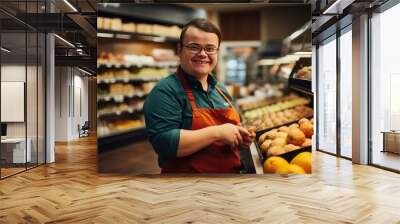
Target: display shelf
{"x": 125, "y": 65}
{"x": 300, "y": 85}
{"x": 168, "y": 64}
{"x": 129, "y": 111}
{"x": 276, "y": 107}
{"x": 111, "y": 140}
{"x": 121, "y": 98}
{"x": 128, "y": 80}
{"x": 135, "y": 36}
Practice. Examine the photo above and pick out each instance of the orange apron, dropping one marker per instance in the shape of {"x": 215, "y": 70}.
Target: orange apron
{"x": 214, "y": 158}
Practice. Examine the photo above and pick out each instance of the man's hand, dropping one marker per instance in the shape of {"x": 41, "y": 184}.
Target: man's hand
{"x": 248, "y": 139}
{"x": 233, "y": 135}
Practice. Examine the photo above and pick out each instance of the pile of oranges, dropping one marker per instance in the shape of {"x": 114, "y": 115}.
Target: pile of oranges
{"x": 300, "y": 164}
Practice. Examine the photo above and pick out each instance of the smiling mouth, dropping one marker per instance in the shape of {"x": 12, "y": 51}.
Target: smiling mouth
{"x": 200, "y": 62}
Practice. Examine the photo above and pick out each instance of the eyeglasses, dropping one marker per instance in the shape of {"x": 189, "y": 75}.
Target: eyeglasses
{"x": 196, "y": 49}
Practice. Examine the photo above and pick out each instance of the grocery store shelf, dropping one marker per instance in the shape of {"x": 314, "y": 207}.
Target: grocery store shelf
{"x": 167, "y": 64}
{"x": 128, "y": 131}
{"x": 115, "y": 113}
{"x": 300, "y": 85}
{"x": 135, "y": 36}
{"x": 115, "y": 139}
{"x": 121, "y": 98}
{"x": 128, "y": 80}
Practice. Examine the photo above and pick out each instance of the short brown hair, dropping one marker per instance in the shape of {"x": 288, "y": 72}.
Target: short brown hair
{"x": 204, "y": 25}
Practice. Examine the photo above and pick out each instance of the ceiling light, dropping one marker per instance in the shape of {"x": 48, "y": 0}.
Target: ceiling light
{"x": 338, "y": 6}
{"x": 5, "y": 50}
{"x": 70, "y": 5}
{"x": 65, "y": 41}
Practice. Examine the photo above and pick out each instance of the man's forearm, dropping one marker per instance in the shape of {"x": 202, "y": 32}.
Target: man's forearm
{"x": 191, "y": 141}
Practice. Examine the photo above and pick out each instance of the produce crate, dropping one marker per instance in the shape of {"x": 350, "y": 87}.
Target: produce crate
{"x": 289, "y": 155}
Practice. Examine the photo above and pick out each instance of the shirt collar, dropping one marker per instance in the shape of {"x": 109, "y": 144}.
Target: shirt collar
{"x": 193, "y": 82}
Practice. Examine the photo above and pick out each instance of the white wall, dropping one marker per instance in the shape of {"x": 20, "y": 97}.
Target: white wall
{"x": 61, "y": 103}
{"x": 71, "y": 93}
{"x": 13, "y": 73}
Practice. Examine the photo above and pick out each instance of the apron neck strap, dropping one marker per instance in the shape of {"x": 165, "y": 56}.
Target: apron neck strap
{"x": 189, "y": 92}
{"x": 186, "y": 88}
{"x": 223, "y": 95}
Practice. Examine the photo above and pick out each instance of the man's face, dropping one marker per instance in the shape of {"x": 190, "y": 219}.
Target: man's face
{"x": 199, "y": 62}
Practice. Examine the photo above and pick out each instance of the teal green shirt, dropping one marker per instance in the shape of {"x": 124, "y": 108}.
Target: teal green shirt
{"x": 167, "y": 110}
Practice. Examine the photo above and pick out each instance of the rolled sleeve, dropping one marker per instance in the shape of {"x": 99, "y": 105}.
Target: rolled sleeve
{"x": 163, "y": 116}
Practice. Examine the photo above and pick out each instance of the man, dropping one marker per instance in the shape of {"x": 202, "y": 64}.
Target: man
{"x": 190, "y": 118}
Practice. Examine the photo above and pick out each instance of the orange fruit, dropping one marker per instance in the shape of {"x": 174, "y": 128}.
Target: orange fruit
{"x": 307, "y": 128}
{"x": 290, "y": 169}
{"x": 304, "y": 160}
{"x": 273, "y": 163}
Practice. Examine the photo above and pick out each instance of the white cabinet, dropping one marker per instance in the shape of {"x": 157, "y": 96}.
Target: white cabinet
{"x": 16, "y": 146}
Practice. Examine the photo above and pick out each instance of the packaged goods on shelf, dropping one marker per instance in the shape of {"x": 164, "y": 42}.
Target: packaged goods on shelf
{"x": 125, "y": 89}
{"x": 131, "y": 106}
{"x": 175, "y": 31}
{"x": 129, "y": 27}
{"x": 122, "y": 125}
{"x": 118, "y": 126}
{"x": 144, "y": 28}
{"x": 128, "y": 60}
{"x": 100, "y": 22}
{"x": 125, "y": 75}
{"x": 116, "y": 24}
{"x": 164, "y": 55}
{"x": 106, "y": 24}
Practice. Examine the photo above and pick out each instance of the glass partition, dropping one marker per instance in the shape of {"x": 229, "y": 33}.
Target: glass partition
{"x": 14, "y": 151}
{"x": 327, "y": 96}
{"x": 385, "y": 88}
{"x": 346, "y": 93}
{"x": 22, "y": 87}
